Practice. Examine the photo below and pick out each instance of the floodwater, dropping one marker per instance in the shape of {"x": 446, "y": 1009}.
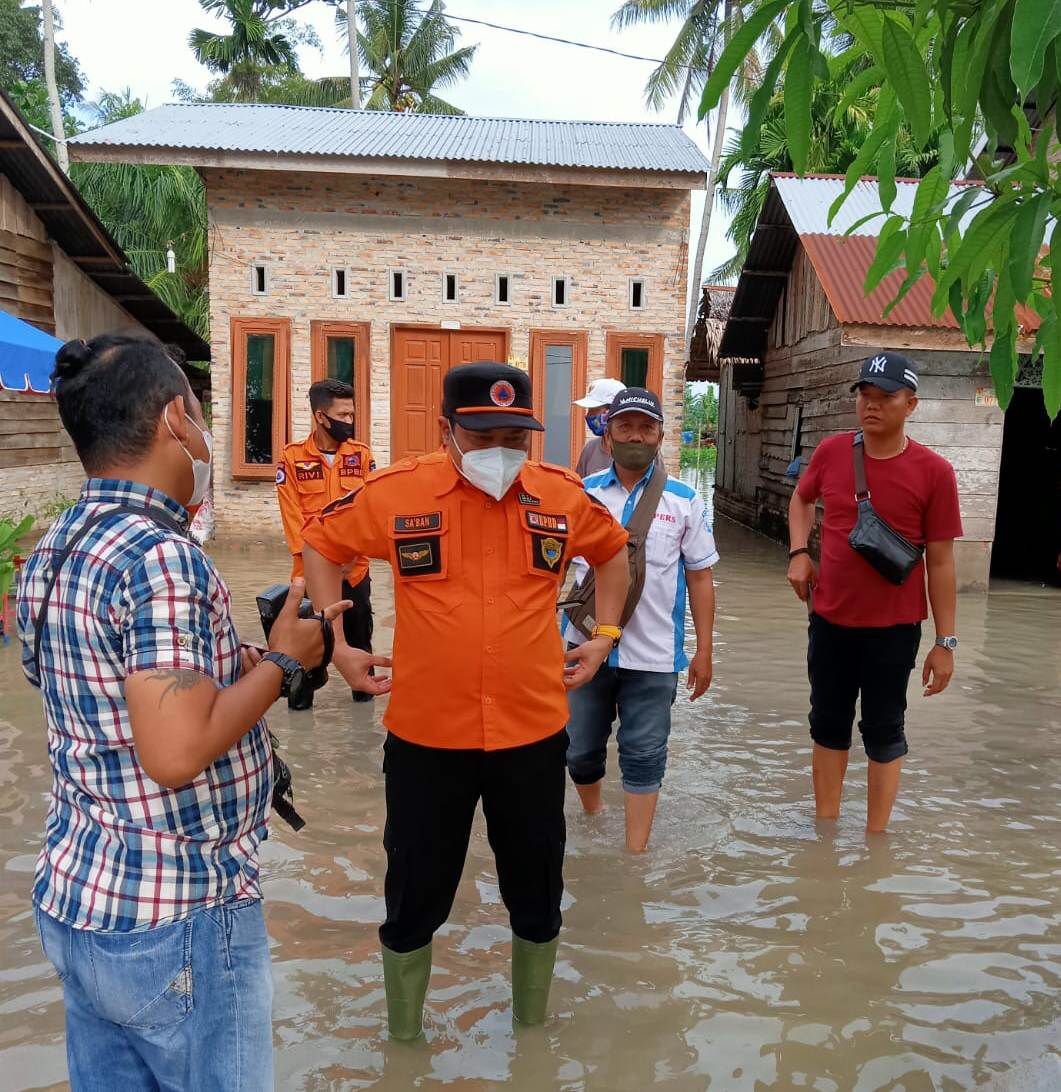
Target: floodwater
{"x": 748, "y": 949}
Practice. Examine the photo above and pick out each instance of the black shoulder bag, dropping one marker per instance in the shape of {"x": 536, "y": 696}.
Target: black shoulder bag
{"x": 283, "y": 796}
{"x": 880, "y": 544}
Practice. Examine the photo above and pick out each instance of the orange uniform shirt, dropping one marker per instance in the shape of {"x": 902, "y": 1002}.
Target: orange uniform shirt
{"x": 478, "y": 660}
{"x": 305, "y": 483}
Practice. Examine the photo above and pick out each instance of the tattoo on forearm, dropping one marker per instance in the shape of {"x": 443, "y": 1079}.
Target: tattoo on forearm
{"x": 177, "y": 680}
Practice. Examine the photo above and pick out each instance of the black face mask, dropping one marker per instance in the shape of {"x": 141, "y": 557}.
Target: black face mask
{"x": 339, "y": 431}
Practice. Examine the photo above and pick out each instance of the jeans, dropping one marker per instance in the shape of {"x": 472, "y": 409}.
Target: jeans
{"x": 642, "y": 700}
{"x": 844, "y": 662}
{"x": 186, "y": 1006}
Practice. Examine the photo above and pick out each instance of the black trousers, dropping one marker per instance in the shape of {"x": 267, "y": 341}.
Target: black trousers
{"x": 431, "y": 798}
{"x": 357, "y": 624}
{"x": 845, "y": 661}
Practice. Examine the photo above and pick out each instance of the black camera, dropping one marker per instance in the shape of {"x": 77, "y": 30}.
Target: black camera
{"x": 270, "y": 603}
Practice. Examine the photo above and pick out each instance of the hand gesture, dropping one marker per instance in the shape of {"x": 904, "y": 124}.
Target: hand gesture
{"x": 354, "y": 665}
{"x": 302, "y": 638}
{"x": 583, "y": 662}
{"x": 802, "y": 575}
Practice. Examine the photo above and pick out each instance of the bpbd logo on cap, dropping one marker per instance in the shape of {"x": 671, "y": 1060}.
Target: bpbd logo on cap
{"x": 503, "y": 394}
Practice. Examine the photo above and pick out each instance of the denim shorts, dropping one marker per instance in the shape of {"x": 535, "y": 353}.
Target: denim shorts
{"x": 642, "y": 701}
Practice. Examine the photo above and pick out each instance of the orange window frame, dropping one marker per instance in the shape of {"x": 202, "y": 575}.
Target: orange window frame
{"x": 240, "y": 330}
{"x": 616, "y": 342}
{"x": 359, "y": 332}
{"x": 579, "y": 342}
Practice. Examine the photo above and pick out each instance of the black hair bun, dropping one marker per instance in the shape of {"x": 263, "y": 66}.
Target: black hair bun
{"x": 70, "y": 359}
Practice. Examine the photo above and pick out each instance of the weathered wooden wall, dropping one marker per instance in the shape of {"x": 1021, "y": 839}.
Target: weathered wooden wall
{"x": 38, "y": 465}
{"x": 810, "y": 365}
{"x": 25, "y": 261}
{"x": 82, "y": 308}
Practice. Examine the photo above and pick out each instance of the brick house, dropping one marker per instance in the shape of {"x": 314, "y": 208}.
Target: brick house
{"x": 60, "y": 271}
{"x": 386, "y": 248}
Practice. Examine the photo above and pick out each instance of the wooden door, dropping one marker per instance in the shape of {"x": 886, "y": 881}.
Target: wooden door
{"x": 558, "y": 377}
{"x": 420, "y": 358}
{"x": 340, "y": 350}
{"x": 636, "y": 360}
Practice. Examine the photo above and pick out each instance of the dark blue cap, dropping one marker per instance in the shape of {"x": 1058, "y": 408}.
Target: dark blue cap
{"x": 889, "y": 371}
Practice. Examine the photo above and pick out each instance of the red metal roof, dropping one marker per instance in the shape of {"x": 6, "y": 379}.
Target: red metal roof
{"x": 841, "y": 263}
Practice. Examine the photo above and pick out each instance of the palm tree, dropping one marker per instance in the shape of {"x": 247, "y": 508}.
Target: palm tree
{"x": 834, "y": 143}
{"x": 148, "y": 210}
{"x": 705, "y": 26}
{"x": 254, "y": 43}
{"x": 408, "y": 53}
{"x": 54, "y": 105}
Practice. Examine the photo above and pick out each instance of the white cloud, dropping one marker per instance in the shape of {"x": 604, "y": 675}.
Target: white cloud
{"x": 143, "y": 45}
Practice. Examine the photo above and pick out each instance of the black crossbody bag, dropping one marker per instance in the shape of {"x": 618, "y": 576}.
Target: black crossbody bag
{"x": 283, "y": 795}
{"x": 893, "y": 556}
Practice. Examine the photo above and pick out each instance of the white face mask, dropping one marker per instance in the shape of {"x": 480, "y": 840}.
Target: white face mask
{"x": 200, "y": 468}
{"x": 491, "y": 469}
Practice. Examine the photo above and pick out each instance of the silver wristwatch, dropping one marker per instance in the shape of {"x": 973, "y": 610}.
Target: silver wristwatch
{"x": 949, "y": 643}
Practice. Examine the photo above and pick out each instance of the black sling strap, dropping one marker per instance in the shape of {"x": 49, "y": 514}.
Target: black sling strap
{"x": 129, "y": 509}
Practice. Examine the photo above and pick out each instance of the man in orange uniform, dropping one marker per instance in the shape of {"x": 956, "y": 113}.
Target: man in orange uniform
{"x": 478, "y": 539}
{"x": 313, "y": 473}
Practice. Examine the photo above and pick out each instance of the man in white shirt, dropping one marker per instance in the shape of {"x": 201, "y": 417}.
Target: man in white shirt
{"x": 640, "y": 680}
{"x": 598, "y": 398}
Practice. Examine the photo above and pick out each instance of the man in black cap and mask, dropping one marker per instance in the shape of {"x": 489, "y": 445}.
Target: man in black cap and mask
{"x": 478, "y": 539}
{"x": 865, "y": 628}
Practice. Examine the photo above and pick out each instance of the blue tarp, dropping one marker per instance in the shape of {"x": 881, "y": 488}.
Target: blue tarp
{"x": 27, "y": 356}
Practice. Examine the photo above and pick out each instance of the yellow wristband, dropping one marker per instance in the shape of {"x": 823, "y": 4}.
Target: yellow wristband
{"x": 611, "y": 632}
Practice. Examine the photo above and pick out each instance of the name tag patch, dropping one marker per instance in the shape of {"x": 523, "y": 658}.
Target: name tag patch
{"x": 428, "y": 521}
{"x": 351, "y": 464}
{"x": 546, "y": 521}
{"x": 548, "y": 552}
{"x": 419, "y": 557}
{"x": 526, "y": 498}
{"x": 310, "y": 471}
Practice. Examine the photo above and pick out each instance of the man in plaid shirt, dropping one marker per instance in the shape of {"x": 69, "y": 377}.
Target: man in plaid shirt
{"x": 147, "y": 893}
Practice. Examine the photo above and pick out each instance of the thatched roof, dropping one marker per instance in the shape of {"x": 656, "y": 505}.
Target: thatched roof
{"x": 704, "y": 362}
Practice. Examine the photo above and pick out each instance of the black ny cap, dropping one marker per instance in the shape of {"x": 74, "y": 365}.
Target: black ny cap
{"x": 488, "y": 395}
{"x": 636, "y": 400}
{"x": 889, "y": 371}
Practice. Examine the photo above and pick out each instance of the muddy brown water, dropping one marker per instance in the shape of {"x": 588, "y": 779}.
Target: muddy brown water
{"x": 748, "y": 949}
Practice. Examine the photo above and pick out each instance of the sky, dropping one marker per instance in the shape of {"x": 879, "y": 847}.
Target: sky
{"x": 143, "y": 45}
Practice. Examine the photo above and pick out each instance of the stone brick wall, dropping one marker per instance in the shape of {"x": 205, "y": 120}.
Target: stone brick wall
{"x": 302, "y": 225}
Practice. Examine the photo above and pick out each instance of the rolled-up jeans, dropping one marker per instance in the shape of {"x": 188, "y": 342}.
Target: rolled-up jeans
{"x": 181, "y": 1006}
{"x": 642, "y": 702}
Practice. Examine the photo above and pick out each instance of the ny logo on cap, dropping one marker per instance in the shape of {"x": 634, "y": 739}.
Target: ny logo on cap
{"x": 877, "y": 364}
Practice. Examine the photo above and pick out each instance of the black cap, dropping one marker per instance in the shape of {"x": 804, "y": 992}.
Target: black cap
{"x": 889, "y": 371}
{"x": 636, "y": 400}
{"x": 488, "y": 395}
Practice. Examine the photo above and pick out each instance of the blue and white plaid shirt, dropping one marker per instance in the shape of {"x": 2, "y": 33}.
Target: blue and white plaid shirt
{"x": 120, "y": 851}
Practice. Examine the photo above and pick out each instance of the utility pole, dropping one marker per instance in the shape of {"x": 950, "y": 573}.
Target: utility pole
{"x": 53, "y": 88}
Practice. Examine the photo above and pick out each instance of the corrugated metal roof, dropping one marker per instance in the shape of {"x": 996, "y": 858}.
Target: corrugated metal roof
{"x": 310, "y": 131}
{"x": 808, "y": 200}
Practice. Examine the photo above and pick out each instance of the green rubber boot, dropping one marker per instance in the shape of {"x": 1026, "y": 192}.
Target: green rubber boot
{"x": 405, "y": 976}
{"x": 532, "y": 974}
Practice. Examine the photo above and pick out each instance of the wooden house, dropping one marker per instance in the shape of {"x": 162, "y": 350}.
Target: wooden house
{"x": 61, "y": 271}
{"x": 799, "y": 326}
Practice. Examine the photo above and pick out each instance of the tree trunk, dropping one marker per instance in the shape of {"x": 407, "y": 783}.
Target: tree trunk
{"x": 53, "y": 89}
{"x": 351, "y": 35}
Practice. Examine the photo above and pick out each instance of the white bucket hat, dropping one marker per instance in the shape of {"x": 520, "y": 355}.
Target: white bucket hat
{"x": 601, "y": 393}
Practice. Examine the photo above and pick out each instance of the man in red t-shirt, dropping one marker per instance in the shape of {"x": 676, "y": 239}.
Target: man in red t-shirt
{"x": 865, "y": 630}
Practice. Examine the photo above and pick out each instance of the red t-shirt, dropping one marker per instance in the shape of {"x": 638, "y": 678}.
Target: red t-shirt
{"x": 915, "y": 492}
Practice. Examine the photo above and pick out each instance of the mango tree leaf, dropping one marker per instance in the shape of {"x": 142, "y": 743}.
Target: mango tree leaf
{"x": 736, "y": 50}
{"x": 866, "y": 24}
{"x": 968, "y": 80}
{"x": 858, "y": 87}
{"x": 1025, "y": 242}
{"x": 904, "y": 288}
{"x": 885, "y": 125}
{"x": 886, "y": 187}
{"x": 929, "y": 200}
{"x": 1036, "y": 23}
{"x": 1004, "y": 364}
{"x": 980, "y": 246}
{"x": 966, "y": 199}
{"x": 798, "y": 80}
{"x": 1052, "y": 368}
{"x": 909, "y": 77}
{"x": 885, "y": 261}
{"x": 761, "y": 99}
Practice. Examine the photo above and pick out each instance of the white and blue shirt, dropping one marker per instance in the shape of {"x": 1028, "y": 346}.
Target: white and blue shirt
{"x": 680, "y": 538}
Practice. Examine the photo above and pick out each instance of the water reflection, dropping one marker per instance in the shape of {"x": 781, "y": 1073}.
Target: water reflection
{"x": 748, "y": 949}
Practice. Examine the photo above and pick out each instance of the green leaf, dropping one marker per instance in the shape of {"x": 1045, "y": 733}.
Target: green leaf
{"x": 980, "y": 246}
{"x": 761, "y": 99}
{"x": 969, "y": 78}
{"x": 886, "y": 187}
{"x": 884, "y": 128}
{"x": 866, "y": 24}
{"x": 797, "y": 103}
{"x": 858, "y": 87}
{"x": 1052, "y": 368}
{"x": 929, "y": 200}
{"x": 998, "y": 112}
{"x": 904, "y": 288}
{"x": 1003, "y": 360}
{"x": 885, "y": 261}
{"x": 909, "y": 77}
{"x": 1025, "y": 242}
{"x": 736, "y": 50}
{"x": 1036, "y": 23}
